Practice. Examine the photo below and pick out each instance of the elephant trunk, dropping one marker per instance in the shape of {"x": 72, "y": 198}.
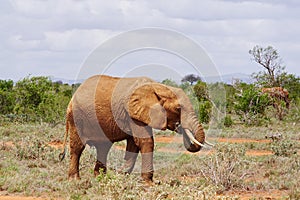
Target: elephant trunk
{"x": 193, "y": 134}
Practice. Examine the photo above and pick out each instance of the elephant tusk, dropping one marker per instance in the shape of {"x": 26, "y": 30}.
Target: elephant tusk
{"x": 192, "y": 138}
{"x": 209, "y": 144}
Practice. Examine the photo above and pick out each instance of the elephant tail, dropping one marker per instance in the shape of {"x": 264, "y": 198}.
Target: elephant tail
{"x": 63, "y": 153}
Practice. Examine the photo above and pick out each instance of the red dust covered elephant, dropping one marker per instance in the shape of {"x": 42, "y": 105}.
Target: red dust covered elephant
{"x": 278, "y": 93}
{"x": 107, "y": 109}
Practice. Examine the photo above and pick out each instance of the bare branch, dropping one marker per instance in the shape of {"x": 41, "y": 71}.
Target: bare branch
{"x": 269, "y": 59}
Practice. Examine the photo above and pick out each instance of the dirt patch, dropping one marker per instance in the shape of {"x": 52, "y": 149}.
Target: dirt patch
{"x": 174, "y": 150}
{"x": 239, "y": 140}
{"x": 176, "y": 139}
{"x": 209, "y": 152}
{"x": 20, "y": 198}
{"x": 246, "y": 195}
{"x": 168, "y": 139}
{"x": 258, "y": 153}
{"x": 57, "y": 144}
{"x": 202, "y": 152}
{"x": 6, "y": 145}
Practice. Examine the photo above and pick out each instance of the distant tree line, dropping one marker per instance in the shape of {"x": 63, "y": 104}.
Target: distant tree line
{"x": 38, "y": 99}
{"x": 246, "y": 101}
{"x": 34, "y": 99}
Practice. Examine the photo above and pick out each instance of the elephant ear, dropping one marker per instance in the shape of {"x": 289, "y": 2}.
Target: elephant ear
{"x": 146, "y": 106}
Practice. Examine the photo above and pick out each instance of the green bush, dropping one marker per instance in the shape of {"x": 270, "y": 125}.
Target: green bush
{"x": 7, "y": 97}
{"x": 34, "y": 99}
{"x": 230, "y": 97}
{"x": 250, "y": 104}
{"x": 227, "y": 121}
{"x": 204, "y": 111}
{"x": 201, "y": 91}
{"x": 294, "y": 113}
{"x": 169, "y": 82}
{"x": 30, "y": 92}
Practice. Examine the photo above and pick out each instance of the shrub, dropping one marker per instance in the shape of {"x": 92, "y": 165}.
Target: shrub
{"x": 34, "y": 99}
{"x": 294, "y": 193}
{"x": 201, "y": 91}
{"x": 251, "y": 104}
{"x": 204, "y": 111}
{"x": 284, "y": 147}
{"x": 31, "y": 92}
{"x": 7, "y": 97}
{"x": 170, "y": 82}
{"x": 32, "y": 149}
{"x": 230, "y": 96}
{"x": 226, "y": 167}
{"x": 294, "y": 113}
{"x": 227, "y": 121}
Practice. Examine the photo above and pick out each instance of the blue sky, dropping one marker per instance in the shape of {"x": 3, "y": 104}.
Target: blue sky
{"x": 54, "y": 38}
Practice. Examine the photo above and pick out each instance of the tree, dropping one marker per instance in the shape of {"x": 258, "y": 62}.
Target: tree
{"x": 7, "y": 96}
{"x": 251, "y": 104}
{"x": 201, "y": 91}
{"x": 30, "y": 92}
{"x": 205, "y": 105}
{"x": 270, "y": 60}
{"x": 191, "y": 78}
{"x": 169, "y": 82}
{"x": 230, "y": 97}
{"x": 38, "y": 99}
{"x": 292, "y": 84}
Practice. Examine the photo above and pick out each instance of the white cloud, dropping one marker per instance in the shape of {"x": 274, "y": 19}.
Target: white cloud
{"x": 76, "y": 39}
{"x": 221, "y": 10}
{"x": 37, "y": 32}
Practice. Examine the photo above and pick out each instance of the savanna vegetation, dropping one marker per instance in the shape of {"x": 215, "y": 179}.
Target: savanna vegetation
{"x": 244, "y": 160}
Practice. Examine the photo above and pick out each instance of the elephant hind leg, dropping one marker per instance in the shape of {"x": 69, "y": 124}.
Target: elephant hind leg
{"x": 76, "y": 149}
{"x": 102, "y": 151}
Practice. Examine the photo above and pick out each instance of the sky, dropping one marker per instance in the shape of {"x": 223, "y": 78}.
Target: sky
{"x": 56, "y": 38}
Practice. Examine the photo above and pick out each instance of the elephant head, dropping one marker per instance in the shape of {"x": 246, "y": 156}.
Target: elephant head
{"x": 163, "y": 107}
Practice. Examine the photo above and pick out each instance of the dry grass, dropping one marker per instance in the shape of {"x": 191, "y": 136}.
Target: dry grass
{"x": 30, "y": 167}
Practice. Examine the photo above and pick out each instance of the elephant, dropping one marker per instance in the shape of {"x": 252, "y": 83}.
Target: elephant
{"x": 278, "y": 93}
{"x": 106, "y": 109}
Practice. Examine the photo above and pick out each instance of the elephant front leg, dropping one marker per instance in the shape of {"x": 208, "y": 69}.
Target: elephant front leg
{"x": 143, "y": 138}
{"x": 131, "y": 154}
{"x": 147, "y": 147}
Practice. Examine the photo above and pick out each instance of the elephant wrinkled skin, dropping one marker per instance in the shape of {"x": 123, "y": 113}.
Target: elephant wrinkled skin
{"x": 107, "y": 109}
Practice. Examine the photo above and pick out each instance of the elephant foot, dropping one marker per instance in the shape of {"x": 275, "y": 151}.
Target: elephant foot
{"x": 74, "y": 176}
{"x": 148, "y": 184}
{"x": 99, "y": 167}
{"x": 125, "y": 169}
{"x": 96, "y": 173}
{"x": 147, "y": 177}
